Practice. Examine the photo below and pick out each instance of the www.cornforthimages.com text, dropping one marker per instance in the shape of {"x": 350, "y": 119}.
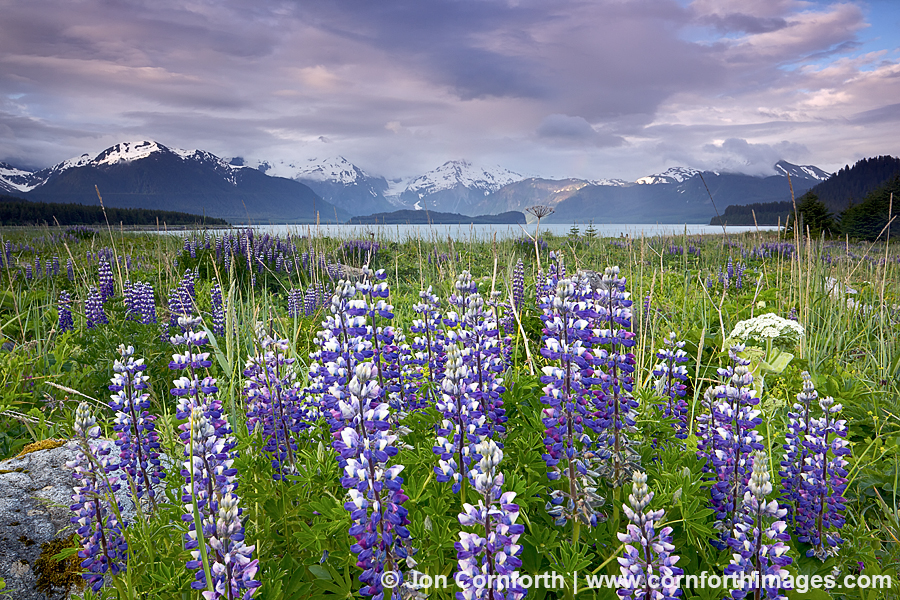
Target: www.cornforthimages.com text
{"x": 582, "y": 581}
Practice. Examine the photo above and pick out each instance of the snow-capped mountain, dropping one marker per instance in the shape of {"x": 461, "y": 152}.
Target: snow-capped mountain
{"x": 14, "y": 180}
{"x": 335, "y": 179}
{"x": 456, "y": 173}
{"x": 147, "y": 174}
{"x": 800, "y": 171}
{"x": 670, "y": 175}
{"x": 456, "y": 186}
{"x": 782, "y": 168}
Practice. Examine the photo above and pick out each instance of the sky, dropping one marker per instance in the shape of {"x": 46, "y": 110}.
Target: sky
{"x": 550, "y": 88}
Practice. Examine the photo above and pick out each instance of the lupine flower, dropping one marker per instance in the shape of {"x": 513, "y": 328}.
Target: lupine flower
{"x": 612, "y": 308}
{"x": 365, "y": 445}
{"x": 365, "y": 430}
{"x": 671, "y": 374}
{"x": 816, "y": 474}
{"x": 429, "y": 343}
{"x": 518, "y": 285}
{"x": 647, "y": 553}
{"x": 795, "y": 447}
{"x": 70, "y": 269}
{"x": 295, "y": 303}
{"x": 477, "y": 328}
{"x": 182, "y": 298}
{"x": 462, "y": 419}
{"x": 488, "y": 556}
{"x": 210, "y": 478}
{"x": 728, "y": 436}
{"x": 138, "y": 441}
{"x": 760, "y": 554}
{"x": 103, "y": 545}
{"x": 93, "y": 309}
{"x": 145, "y": 302}
{"x": 64, "y": 310}
{"x": 275, "y": 407}
{"x": 568, "y": 416}
{"x": 218, "y": 310}
{"x": 107, "y": 289}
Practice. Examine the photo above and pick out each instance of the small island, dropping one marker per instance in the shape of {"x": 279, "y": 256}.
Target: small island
{"x": 428, "y": 217}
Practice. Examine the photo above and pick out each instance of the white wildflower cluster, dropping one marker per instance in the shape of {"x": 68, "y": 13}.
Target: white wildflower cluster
{"x": 768, "y": 328}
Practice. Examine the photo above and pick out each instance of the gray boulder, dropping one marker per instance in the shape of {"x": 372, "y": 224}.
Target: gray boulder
{"x": 35, "y": 496}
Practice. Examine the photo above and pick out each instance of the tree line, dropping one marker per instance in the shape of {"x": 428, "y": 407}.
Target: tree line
{"x": 16, "y": 211}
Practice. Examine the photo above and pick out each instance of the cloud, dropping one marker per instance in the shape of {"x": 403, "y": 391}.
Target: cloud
{"x": 593, "y": 88}
{"x": 566, "y": 129}
{"x": 735, "y": 154}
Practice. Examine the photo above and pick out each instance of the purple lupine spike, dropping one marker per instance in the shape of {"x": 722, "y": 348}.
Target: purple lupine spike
{"x": 795, "y": 448}
{"x": 760, "y": 554}
{"x": 615, "y": 365}
{"x": 210, "y": 478}
{"x": 217, "y": 307}
{"x": 107, "y": 289}
{"x": 647, "y": 554}
{"x": 129, "y": 300}
{"x": 727, "y": 432}
{"x": 70, "y": 269}
{"x": 93, "y": 309}
{"x": 366, "y": 443}
{"x": 479, "y": 333}
{"x": 297, "y": 306}
{"x": 457, "y": 433}
{"x": 568, "y": 415}
{"x": 275, "y": 405}
{"x": 138, "y": 441}
{"x": 671, "y": 375}
{"x": 64, "y": 310}
{"x": 815, "y": 486}
{"x": 146, "y": 303}
{"x": 103, "y": 545}
{"x": 347, "y": 383}
{"x": 488, "y": 557}
{"x": 429, "y": 344}
{"x": 28, "y": 272}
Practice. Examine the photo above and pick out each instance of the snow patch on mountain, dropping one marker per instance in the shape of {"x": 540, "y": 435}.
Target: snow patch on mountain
{"x": 801, "y": 171}
{"x": 461, "y": 173}
{"x": 671, "y": 175}
{"x": 609, "y": 182}
{"x": 13, "y": 179}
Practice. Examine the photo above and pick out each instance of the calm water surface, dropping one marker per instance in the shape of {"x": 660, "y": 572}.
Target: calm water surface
{"x": 486, "y": 232}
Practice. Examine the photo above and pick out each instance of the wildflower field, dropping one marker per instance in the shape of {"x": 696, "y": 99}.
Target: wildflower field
{"x": 309, "y": 417}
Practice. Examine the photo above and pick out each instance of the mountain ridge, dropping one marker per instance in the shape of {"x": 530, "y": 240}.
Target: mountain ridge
{"x": 249, "y": 189}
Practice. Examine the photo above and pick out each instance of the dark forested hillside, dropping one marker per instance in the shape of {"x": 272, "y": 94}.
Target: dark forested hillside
{"x": 16, "y": 211}
{"x": 766, "y": 213}
{"x": 851, "y": 184}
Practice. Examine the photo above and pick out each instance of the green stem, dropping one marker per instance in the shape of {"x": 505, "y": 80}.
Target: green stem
{"x": 198, "y": 524}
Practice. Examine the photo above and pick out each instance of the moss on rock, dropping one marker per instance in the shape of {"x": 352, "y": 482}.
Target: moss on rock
{"x": 41, "y": 445}
{"x": 63, "y": 573}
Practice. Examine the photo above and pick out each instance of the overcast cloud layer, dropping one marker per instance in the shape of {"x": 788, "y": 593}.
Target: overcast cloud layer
{"x": 594, "y": 88}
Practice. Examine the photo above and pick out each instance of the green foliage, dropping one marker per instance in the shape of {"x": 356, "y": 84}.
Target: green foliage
{"x": 815, "y": 218}
{"x": 868, "y": 220}
{"x": 299, "y": 527}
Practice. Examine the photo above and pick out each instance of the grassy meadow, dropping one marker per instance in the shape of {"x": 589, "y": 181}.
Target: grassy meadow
{"x": 845, "y": 295}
